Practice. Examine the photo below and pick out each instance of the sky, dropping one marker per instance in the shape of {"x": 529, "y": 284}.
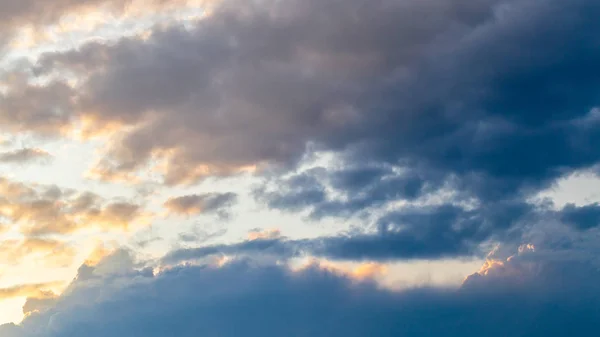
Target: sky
{"x": 299, "y": 168}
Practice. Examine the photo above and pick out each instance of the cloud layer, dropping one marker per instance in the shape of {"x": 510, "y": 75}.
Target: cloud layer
{"x": 491, "y": 100}
{"x": 526, "y": 295}
{"x": 450, "y": 94}
{"x": 426, "y": 128}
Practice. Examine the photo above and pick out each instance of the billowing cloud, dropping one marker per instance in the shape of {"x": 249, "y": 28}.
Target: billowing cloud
{"x": 39, "y": 302}
{"x": 44, "y": 109}
{"x": 448, "y": 106}
{"x": 448, "y": 95}
{"x": 442, "y": 121}
{"x": 154, "y": 85}
{"x": 539, "y": 299}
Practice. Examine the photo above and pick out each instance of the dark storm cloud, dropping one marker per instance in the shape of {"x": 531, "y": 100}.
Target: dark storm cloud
{"x": 529, "y": 295}
{"x": 581, "y": 217}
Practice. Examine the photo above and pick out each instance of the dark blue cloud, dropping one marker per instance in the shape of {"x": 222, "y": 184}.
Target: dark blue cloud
{"x": 583, "y": 217}
{"x": 301, "y": 191}
{"x": 419, "y": 233}
{"x": 247, "y": 299}
{"x": 497, "y": 111}
{"x": 363, "y": 187}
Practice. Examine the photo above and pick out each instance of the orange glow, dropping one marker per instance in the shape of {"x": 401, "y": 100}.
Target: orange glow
{"x": 30, "y": 290}
{"x": 369, "y": 271}
{"x": 99, "y": 253}
{"x": 362, "y": 272}
{"x": 264, "y": 235}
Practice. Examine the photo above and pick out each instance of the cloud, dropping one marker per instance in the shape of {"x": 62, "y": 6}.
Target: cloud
{"x": 318, "y": 301}
{"x": 36, "y": 14}
{"x": 200, "y": 235}
{"x": 50, "y": 252}
{"x": 442, "y": 118}
{"x": 98, "y": 254}
{"x": 345, "y": 191}
{"x": 40, "y": 12}
{"x": 155, "y": 84}
{"x": 449, "y": 95}
{"x": 490, "y": 100}
{"x": 28, "y": 290}
{"x": 584, "y": 217}
{"x": 41, "y": 302}
{"x": 24, "y": 156}
{"x": 411, "y": 233}
{"x": 369, "y": 271}
{"x": 201, "y": 203}
{"x": 258, "y": 234}
{"x": 448, "y": 106}
{"x": 44, "y": 109}
{"x": 45, "y": 210}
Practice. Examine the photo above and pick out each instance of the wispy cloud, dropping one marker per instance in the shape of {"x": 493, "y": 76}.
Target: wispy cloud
{"x": 29, "y": 290}
{"x": 201, "y": 203}
{"x": 25, "y": 156}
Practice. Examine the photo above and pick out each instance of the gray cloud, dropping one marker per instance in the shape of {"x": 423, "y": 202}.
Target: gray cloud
{"x": 414, "y": 233}
{"x": 26, "y": 290}
{"x": 256, "y": 84}
{"x": 201, "y": 203}
{"x": 202, "y": 234}
{"x": 361, "y": 188}
{"x": 537, "y": 296}
{"x": 45, "y": 110}
{"x": 448, "y": 96}
{"x": 584, "y": 217}
{"x": 15, "y": 14}
{"x": 277, "y": 66}
{"x": 490, "y": 99}
{"x": 24, "y": 156}
{"x": 444, "y": 94}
